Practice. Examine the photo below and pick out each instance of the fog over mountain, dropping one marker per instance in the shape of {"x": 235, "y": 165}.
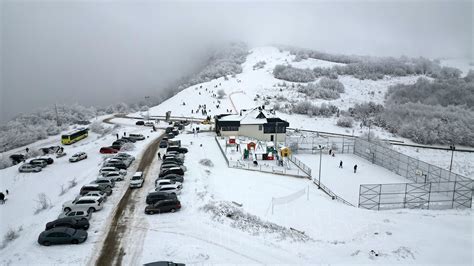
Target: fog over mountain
{"x": 101, "y": 52}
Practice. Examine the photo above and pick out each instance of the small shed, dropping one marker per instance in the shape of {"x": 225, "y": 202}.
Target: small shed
{"x": 232, "y": 140}
{"x": 285, "y": 152}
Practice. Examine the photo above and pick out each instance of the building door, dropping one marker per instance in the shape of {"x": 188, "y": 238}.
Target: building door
{"x": 271, "y": 138}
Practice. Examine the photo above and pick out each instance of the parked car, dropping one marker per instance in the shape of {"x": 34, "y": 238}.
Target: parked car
{"x": 163, "y": 144}
{"x": 60, "y": 154}
{"x": 62, "y": 235}
{"x": 78, "y": 157}
{"x": 163, "y": 263}
{"x": 39, "y": 163}
{"x": 154, "y": 197}
{"x": 170, "y": 135}
{"x": 69, "y": 222}
{"x": 105, "y": 170}
{"x": 96, "y": 188}
{"x": 174, "y": 143}
{"x": 117, "y": 147}
{"x": 172, "y": 165}
{"x": 76, "y": 214}
{"x": 136, "y": 136}
{"x": 149, "y": 123}
{"x": 91, "y": 204}
{"x": 108, "y": 150}
{"x": 126, "y": 161}
{"x": 29, "y": 168}
{"x": 119, "y": 165}
{"x": 48, "y": 160}
{"x": 105, "y": 181}
{"x": 178, "y": 149}
{"x": 137, "y": 180}
{"x": 172, "y": 160}
{"x": 51, "y": 149}
{"x": 175, "y": 131}
{"x": 118, "y": 144}
{"x": 171, "y": 188}
{"x": 173, "y": 170}
{"x": 100, "y": 194}
{"x": 170, "y": 205}
{"x": 161, "y": 182}
{"x": 17, "y": 158}
{"x": 125, "y": 155}
{"x": 168, "y": 129}
{"x": 116, "y": 176}
{"x": 177, "y": 178}
{"x": 128, "y": 139}
{"x": 140, "y": 123}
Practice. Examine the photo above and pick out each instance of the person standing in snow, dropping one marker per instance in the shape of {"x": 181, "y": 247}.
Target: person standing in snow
{"x": 159, "y": 155}
{"x": 355, "y": 168}
{"x": 330, "y": 151}
{"x": 340, "y": 164}
{"x": 2, "y": 198}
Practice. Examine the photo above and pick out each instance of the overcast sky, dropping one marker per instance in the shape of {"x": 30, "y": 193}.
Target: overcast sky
{"x": 102, "y": 52}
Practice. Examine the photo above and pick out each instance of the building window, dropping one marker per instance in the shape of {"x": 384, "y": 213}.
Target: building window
{"x": 229, "y": 128}
{"x": 260, "y": 127}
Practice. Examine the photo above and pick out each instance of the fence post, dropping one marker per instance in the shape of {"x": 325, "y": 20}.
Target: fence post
{"x": 454, "y": 193}
{"x": 342, "y": 144}
{"x": 380, "y": 195}
{"x": 358, "y": 204}
{"x": 405, "y": 198}
{"x": 429, "y": 196}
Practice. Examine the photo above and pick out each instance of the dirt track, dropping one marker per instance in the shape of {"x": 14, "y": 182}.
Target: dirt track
{"x": 110, "y": 255}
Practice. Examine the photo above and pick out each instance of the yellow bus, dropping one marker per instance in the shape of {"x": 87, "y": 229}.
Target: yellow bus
{"x": 74, "y": 136}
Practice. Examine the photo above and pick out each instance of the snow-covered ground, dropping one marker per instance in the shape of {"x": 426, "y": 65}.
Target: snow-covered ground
{"x": 18, "y": 211}
{"x": 335, "y": 233}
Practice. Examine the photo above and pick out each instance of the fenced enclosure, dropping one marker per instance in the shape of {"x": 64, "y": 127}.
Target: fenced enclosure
{"x": 433, "y": 187}
{"x": 300, "y": 165}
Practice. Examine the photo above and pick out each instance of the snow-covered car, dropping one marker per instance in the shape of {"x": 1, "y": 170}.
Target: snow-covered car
{"x": 76, "y": 214}
{"x": 171, "y": 165}
{"x": 116, "y": 176}
{"x": 28, "y": 168}
{"x": 90, "y": 204}
{"x": 137, "y": 180}
{"x": 104, "y": 181}
{"x": 161, "y": 182}
{"x": 95, "y": 187}
{"x": 78, "y": 157}
{"x": 124, "y": 155}
{"x": 126, "y": 161}
{"x": 60, "y": 154}
{"x": 171, "y": 188}
{"x": 105, "y": 170}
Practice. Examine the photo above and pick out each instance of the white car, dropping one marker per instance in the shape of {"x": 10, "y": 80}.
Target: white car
{"x": 116, "y": 176}
{"x": 78, "y": 156}
{"x": 105, "y": 170}
{"x": 137, "y": 180}
{"x": 28, "y": 168}
{"x": 90, "y": 204}
{"x": 106, "y": 181}
{"x": 99, "y": 194}
{"x": 172, "y": 188}
{"x": 149, "y": 123}
{"x": 161, "y": 182}
{"x": 77, "y": 214}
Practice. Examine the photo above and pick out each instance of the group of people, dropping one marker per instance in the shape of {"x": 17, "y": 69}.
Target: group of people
{"x": 331, "y": 153}
{"x": 355, "y": 166}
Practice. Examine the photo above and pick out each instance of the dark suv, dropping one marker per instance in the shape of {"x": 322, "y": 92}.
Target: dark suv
{"x": 174, "y": 160}
{"x": 69, "y": 222}
{"x": 154, "y": 197}
{"x": 170, "y": 205}
{"x": 178, "y": 149}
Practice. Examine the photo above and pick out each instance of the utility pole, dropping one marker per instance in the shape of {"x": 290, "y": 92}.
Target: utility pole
{"x": 452, "y": 148}
{"x": 320, "y": 161}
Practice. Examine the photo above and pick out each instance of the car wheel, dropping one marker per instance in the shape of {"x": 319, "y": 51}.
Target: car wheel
{"x": 46, "y": 243}
{"x": 151, "y": 212}
{"x": 86, "y": 227}
{"x": 173, "y": 210}
{"x": 67, "y": 209}
{"x": 90, "y": 210}
{"x": 75, "y": 241}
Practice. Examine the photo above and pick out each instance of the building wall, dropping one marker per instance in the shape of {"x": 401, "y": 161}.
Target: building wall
{"x": 253, "y": 132}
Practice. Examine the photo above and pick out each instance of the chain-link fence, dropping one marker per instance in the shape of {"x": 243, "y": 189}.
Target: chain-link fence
{"x": 431, "y": 195}
{"x": 300, "y": 165}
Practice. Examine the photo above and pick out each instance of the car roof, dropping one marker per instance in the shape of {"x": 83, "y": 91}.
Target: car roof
{"x": 64, "y": 219}
{"x": 88, "y": 198}
{"x": 59, "y": 229}
{"x": 168, "y": 186}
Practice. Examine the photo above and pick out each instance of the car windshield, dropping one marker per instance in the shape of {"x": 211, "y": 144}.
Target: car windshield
{"x": 136, "y": 178}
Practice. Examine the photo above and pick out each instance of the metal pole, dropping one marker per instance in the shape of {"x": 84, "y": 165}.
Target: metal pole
{"x": 320, "y": 160}
{"x": 452, "y": 155}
